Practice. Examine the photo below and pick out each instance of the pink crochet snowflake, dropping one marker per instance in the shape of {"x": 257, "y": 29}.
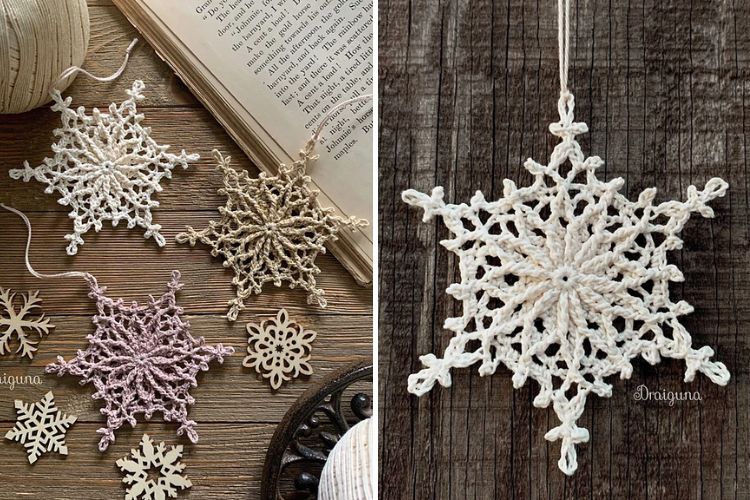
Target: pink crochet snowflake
{"x": 141, "y": 360}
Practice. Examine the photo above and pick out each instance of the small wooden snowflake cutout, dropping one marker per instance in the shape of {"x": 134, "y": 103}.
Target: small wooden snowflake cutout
{"x": 41, "y": 427}
{"x": 279, "y": 349}
{"x": 22, "y": 322}
{"x": 153, "y": 459}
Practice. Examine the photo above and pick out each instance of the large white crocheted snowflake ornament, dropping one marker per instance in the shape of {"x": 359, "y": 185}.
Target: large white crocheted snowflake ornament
{"x": 565, "y": 282}
{"x": 41, "y": 427}
{"x": 106, "y": 167}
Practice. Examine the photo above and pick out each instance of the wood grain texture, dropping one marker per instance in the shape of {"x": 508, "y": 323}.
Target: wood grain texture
{"x": 236, "y": 411}
{"x": 467, "y": 91}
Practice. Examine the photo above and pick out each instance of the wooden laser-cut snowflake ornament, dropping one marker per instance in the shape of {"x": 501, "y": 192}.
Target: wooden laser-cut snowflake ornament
{"x": 166, "y": 466}
{"x": 271, "y": 230}
{"x": 41, "y": 427}
{"x": 22, "y": 322}
{"x": 279, "y": 349}
{"x": 106, "y": 167}
{"x": 565, "y": 281}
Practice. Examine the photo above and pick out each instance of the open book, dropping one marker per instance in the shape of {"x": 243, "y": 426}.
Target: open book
{"x": 269, "y": 71}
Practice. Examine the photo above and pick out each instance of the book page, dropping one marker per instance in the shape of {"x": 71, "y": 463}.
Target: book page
{"x": 289, "y": 62}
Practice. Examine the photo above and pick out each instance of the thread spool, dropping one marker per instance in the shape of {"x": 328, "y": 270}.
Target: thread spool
{"x": 39, "y": 39}
{"x": 347, "y": 473}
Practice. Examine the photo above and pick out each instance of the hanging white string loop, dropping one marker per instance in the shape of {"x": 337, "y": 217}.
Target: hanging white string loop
{"x": 77, "y": 69}
{"x": 328, "y": 116}
{"x": 563, "y": 42}
{"x": 566, "y": 103}
{"x": 68, "y": 274}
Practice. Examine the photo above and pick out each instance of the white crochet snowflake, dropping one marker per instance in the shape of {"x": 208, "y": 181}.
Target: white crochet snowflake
{"x": 106, "y": 167}
{"x": 165, "y": 465}
{"x": 22, "y": 322}
{"x": 565, "y": 282}
{"x": 40, "y": 427}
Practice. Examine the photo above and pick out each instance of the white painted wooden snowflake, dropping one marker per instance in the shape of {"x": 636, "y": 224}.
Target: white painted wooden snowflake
{"x": 152, "y": 472}
{"x": 23, "y": 322}
{"x": 565, "y": 282}
{"x": 41, "y": 427}
{"x": 106, "y": 167}
{"x": 279, "y": 349}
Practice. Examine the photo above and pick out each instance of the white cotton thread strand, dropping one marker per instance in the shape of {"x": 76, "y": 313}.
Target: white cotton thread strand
{"x": 34, "y": 272}
{"x": 38, "y": 40}
{"x": 328, "y": 116}
{"x": 77, "y": 69}
{"x": 563, "y": 42}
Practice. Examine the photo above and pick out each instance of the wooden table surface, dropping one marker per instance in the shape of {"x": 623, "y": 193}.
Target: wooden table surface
{"x": 468, "y": 89}
{"x": 236, "y": 412}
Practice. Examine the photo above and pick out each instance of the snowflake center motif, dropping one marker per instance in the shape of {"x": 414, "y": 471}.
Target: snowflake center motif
{"x": 271, "y": 230}
{"x": 106, "y": 167}
{"x": 566, "y": 281}
{"x": 141, "y": 360}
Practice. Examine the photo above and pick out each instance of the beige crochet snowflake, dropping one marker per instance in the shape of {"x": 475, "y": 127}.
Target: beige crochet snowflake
{"x": 153, "y": 472}
{"x": 279, "y": 349}
{"x": 23, "y": 322}
{"x": 566, "y": 281}
{"x": 106, "y": 167}
{"x": 271, "y": 230}
{"x": 41, "y": 427}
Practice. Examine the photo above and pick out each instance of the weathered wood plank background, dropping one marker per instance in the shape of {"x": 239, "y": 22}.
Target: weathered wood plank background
{"x": 236, "y": 412}
{"x": 467, "y": 91}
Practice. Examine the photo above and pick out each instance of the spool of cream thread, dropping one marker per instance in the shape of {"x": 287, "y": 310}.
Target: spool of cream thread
{"x": 39, "y": 39}
{"x": 347, "y": 474}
